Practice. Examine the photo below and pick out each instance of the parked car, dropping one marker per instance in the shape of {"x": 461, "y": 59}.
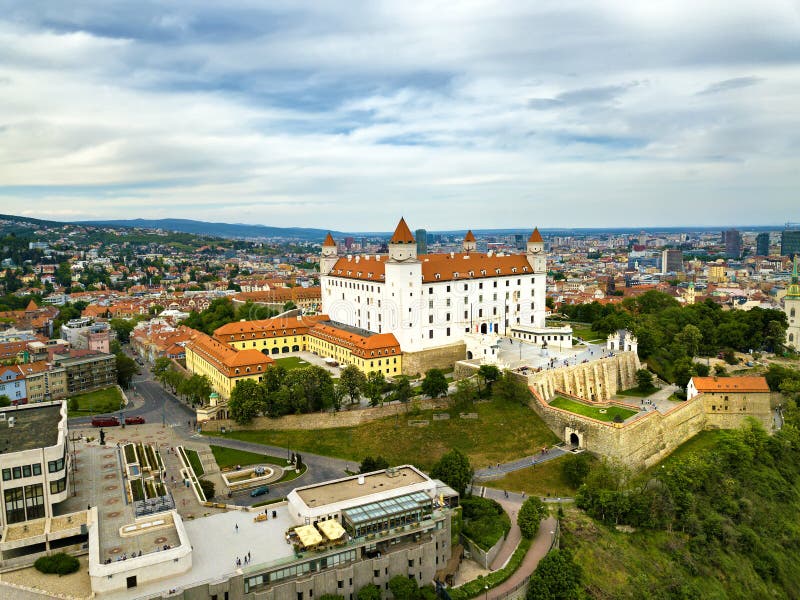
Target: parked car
{"x": 105, "y": 421}
{"x": 134, "y": 420}
{"x": 259, "y": 491}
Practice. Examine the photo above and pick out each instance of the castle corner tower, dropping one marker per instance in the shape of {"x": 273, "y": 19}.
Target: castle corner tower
{"x": 329, "y": 255}
{"x": 469, "y": 243}
{"x": 402, "y": 246}
{"x": 536, "y": 254}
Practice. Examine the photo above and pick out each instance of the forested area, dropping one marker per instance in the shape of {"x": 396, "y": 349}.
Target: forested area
{"x": 671, "y": 335}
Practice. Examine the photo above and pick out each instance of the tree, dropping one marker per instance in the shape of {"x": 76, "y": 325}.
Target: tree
{"x": 4, "y": 400}
{"x": 126, "y": 369}
{"x": 160, "y": 366}
{"x": 488, "y": 374}
{"x": 123, "y": 328}
{"x": 403, "y": 588}
{"x": 530, "y": 516}
{"x": 644, "y": 380}
{"x": 246, "y": 401}
{"x": 369, "y": 592}
{"x": 557, "y": 577}
{"x": 207, "y": 487}
{"x": 63, "y": 274}
{"x": 376, "y": 382}
{"x": 402, "y": 389}
{"x": 370, "y": 464}
{"x": 331, "y": 597}
{"x": 465, "y": 393}
{"x": 690, "y": 338}
{"x": 354, "y": 382}
{"x": 435, "y": 383}
{"x": 575, "y": 468}
{"x": 454, "y": 470}
{"x": 510, "y": 388}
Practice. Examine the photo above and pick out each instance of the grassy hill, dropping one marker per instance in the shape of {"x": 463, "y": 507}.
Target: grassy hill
{"x": 717, "y": 519}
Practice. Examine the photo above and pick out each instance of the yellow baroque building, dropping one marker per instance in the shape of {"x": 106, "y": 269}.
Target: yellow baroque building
{"x": 223, "y": 365}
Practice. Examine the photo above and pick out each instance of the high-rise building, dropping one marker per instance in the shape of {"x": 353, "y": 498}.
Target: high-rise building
{"x": 762, "y": 244}
{"x": 790, "y": 240}
{"x": 671, "y": 261}
{"x": 422, "y": 241}
{"x": 733, "y": 243}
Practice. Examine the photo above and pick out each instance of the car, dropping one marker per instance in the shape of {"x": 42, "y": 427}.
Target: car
{"x": 134, "y": 420}
{"x": 259, "y": 491}
{"x": 105, "y": 421}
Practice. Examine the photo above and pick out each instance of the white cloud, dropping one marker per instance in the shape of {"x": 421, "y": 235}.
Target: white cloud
{"x": 474, "y": 114}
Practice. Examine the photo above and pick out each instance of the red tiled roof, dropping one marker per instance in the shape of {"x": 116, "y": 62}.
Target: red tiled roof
{"x": 329, "y": 241}
{"x": 731, "y": 384}
{"x": 402, "y": 234}
{"x": 535, "y": 236}
{"x": 470, "y": 237}
{"x": 461, "y": 266}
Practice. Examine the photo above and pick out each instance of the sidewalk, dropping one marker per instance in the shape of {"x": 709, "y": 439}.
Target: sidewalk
{"x": 539, "y": 548}
{"x": 522, "y": 463}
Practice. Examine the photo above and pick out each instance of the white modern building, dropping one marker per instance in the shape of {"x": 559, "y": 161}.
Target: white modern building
{"x": 433, "y": 301}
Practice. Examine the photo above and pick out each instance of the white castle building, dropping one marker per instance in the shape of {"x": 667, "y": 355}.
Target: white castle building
{"x": 431, "y": 302}
{"x": 791, "y": 304}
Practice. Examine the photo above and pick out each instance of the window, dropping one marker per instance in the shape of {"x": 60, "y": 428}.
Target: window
{"x": 430, "y": 334}
{"x": 15, "y": 507}
{"x": 6, "y": 474}
{"x": 26, "y": 471}
{"x": 34, "y": 501}
{"x": 56, "y": 487}
{"x": 17, "y": 472}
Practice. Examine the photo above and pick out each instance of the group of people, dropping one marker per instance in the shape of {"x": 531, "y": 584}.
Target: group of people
{"x": 240, "y": 562}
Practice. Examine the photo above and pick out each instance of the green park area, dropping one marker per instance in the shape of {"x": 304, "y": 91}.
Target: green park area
{"x": 501, "y": 432}
{"x": 635, "y": 392}
{"x": 292, "y": 362}
{"x": 95, "y": 403}
{"x": 230, "y": 457}
{"x": 601, "y": 414}
{"x": 546, "y": 479}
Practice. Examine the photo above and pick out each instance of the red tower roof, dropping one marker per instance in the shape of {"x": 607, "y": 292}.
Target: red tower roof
{"x": 329, "y": 240}
{"x": 535, "y": 236}
{"x": 402, "y": 235}
{"x": 470, "y": 237}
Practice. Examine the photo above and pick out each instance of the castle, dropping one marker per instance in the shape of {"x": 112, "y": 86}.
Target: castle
{"x": 431, "y": 302}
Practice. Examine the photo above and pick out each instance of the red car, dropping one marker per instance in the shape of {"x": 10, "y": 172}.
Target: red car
{"x": 134, "y": 420}
{"x": 105, "y": 421}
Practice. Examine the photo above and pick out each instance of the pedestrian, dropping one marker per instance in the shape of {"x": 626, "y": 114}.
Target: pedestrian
{"x": 236, "y": 527}
{"x": 248, "y": 555}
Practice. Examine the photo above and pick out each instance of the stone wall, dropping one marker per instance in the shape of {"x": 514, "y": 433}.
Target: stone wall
{"x": 464, "y": 369}
{"x": 327, "y": 420}
{"x": 443, "y": 357}
{"x": 596, "y": 380}
{"x": 636, "y": 444}
{"x": 725, "y": 410}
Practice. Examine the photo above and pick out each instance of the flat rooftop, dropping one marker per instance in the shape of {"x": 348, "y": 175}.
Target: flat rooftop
{"x": 349, "y": 489}
{"x": 34, "y": 427}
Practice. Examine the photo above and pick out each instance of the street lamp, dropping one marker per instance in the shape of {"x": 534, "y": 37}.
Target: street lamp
{"x": 486, "y": 588}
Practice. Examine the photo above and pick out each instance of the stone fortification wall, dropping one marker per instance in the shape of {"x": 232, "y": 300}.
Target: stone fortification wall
{"x": 596, "y": 380}
{"x": 727, "y": 410}
{"x": 443, "y": 357}
{"x": 638, "y": 443}
{"x": 328, "y": 420}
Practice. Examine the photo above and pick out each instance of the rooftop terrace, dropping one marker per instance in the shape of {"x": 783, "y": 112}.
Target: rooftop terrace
{"x": 349, "y": 489}
{"x": 35, "y": 426}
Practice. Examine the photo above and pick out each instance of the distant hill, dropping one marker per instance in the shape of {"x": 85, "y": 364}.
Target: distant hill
{"x": 224, "y": 230}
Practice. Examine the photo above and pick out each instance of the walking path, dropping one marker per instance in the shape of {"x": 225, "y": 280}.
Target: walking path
{"x": 540, "y": 547}
{"x": 521, "y": 463}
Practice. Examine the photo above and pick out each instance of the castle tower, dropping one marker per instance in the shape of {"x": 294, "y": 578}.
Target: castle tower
{"x": 691, "y": 297}
{"x": 402, "y": 246}
{"x": 329, "y": 255}
{"x": 536, "y": 255}
{"x": 791, "y": 304}
{"x": 469, "y": 242}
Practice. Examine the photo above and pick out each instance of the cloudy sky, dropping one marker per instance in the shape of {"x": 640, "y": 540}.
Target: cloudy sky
{"x": 347, "y": 114}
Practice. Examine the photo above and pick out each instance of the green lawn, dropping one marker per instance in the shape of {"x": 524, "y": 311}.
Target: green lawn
{"x": 502, "y": 432}
{"x": 96, "y": 402}
{"x": 292, "y": 362}
{"x": 194, "y": 460}
{"x": 591, "y": 411}
{"x": 544, "y": 479}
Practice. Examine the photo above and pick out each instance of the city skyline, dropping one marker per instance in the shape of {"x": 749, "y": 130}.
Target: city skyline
{"x": 580, "y": 115}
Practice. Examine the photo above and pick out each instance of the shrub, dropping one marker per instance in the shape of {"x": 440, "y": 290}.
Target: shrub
{"x": 207, "y": 487}
{"x": 529, "y": 517}
{"x": 61, "y": 564}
